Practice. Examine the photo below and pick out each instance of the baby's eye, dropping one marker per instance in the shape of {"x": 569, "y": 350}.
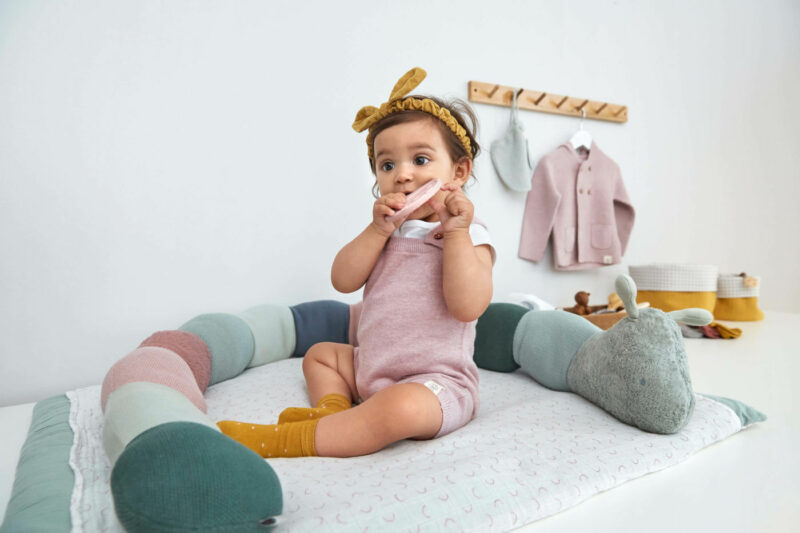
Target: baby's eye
{"x": 387, "y": 166}
{"x": 421, "y": 160}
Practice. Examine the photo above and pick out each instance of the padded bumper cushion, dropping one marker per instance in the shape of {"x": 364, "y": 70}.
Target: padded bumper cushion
{"x": 494, "y": 337}
{"x": 190, "y": 347}
{"x": 273, "y": 333}
{"x": 182, "y": 476}
{"x": 40, "y": 499}
{"x": 155, "y": 365}
{"x": 229, "y": 340}
{"x": 136, "y": 407}
{"x": 320, "y": 321}
{"x": 546, "y": 342}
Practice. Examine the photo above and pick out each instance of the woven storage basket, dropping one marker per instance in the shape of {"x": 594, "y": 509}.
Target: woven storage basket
{"x": 670, "y": 287}
{"x": 737, "y": 298}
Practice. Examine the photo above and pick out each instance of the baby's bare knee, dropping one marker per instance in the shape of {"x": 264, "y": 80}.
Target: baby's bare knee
{"x": 318, "y": 353}
{"x": 322, "y": 353}
{"x": 413, "y": 412}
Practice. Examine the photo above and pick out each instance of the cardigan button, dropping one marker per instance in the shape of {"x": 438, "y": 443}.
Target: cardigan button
{"x": 437, "y": 236}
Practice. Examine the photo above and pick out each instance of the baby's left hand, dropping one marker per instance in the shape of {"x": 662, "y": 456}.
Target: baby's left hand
{"x": 456, "y": 212}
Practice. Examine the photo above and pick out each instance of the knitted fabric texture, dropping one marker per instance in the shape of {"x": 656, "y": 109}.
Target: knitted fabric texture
{"x": 327, "y": 405}
{"x": 583, "y": 203}
{"x": 155, "y": 365}
{"x": 182, "y": 476}
{"x": 405, "y": 329}
{"x": 293, "y": 439}
{"x": 191, "y": 349}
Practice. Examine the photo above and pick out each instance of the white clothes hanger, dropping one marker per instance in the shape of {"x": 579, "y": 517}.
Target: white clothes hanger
{"x": 582, "y": 138}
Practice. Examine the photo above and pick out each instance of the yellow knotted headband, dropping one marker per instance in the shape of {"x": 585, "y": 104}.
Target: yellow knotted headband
{"x": 368, "y": 116}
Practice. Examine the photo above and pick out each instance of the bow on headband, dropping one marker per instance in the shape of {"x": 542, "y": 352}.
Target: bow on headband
{"x": 368, "y": 115}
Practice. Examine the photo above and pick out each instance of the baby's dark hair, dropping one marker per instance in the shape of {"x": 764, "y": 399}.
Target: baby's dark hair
{"x": 460, "y": 110}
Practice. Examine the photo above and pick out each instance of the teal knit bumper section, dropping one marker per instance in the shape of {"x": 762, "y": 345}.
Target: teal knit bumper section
{"x": 183, "y": 476}
{"x": 229, "y": 340}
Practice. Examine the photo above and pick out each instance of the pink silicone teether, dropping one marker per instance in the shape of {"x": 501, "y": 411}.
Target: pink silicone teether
{"x": 416, "y": 199}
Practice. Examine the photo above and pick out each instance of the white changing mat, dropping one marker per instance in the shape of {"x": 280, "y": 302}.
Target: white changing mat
{"x": 530, "y": 453}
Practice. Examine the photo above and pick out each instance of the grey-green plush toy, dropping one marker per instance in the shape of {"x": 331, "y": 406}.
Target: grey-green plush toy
{"x": 637, "y": 370}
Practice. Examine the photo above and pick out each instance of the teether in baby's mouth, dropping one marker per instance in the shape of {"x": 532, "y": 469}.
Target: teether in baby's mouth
{"x": 417, "y": 199}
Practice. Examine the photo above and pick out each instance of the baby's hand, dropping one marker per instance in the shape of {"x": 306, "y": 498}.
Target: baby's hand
{"x": 386, "y": 206}
{"x": 456, "y": 211}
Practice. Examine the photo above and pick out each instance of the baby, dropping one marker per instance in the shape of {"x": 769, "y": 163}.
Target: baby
{"x": 428, "y": 278}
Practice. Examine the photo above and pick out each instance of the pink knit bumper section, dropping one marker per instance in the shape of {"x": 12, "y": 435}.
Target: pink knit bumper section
{"x": 155, "y": 365}
{"x": 190, "y": 347}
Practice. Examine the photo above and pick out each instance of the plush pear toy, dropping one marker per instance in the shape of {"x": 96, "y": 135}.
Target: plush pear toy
{"x": 637, "y": 370}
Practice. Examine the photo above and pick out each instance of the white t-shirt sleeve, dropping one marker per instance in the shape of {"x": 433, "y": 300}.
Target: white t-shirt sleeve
{"x": 419, "y": 229}
{"x": 480, "y": 235}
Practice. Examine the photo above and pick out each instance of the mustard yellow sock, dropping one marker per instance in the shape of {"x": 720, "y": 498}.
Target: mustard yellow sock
{"x": 327, "y": 405}
{"x": 295, "y": 439}
{"x": 726, "y": 332}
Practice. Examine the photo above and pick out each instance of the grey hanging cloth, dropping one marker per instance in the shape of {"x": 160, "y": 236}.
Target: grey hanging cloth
{"x": 510, "y": 153}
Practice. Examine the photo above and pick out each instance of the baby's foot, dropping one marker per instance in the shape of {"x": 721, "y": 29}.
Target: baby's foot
{"x": 288, "y": 440}
{"x": 327, "y": 405}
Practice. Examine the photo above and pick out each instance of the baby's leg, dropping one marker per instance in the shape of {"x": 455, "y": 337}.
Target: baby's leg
{"x": 328, "y": 369}
{"x": 403, "y": 411}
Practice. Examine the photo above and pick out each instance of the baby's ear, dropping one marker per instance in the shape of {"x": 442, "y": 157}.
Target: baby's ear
{"x": 463, "y": 170}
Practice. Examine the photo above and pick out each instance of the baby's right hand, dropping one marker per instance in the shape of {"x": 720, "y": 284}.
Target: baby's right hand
{"x": 386, "y": 206}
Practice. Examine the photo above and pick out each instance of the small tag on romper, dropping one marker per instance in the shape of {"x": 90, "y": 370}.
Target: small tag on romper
{"x": 434, "y": 387}
{"x": 607, "y": 259}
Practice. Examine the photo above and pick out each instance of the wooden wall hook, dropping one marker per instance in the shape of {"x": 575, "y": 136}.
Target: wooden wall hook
{"x": 495, "y": 94}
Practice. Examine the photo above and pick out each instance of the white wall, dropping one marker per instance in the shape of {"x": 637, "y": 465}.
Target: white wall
{"x": 159, "y": 160}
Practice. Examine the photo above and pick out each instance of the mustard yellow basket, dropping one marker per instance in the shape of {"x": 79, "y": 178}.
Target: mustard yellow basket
{"x": 670, "y": 287}
{"x": 737, "y": 298}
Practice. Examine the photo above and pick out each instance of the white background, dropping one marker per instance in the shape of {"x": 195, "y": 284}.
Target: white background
{"x": 159, "y": 160}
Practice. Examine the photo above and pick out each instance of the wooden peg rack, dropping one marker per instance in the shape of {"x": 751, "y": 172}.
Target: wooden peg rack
{"x": 491, "y": 93}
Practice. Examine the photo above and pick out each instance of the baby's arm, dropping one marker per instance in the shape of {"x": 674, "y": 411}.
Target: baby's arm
{"x": 467, "y": 276}
{"x": 467, "y": 269}
{"x": 354, "y": 263}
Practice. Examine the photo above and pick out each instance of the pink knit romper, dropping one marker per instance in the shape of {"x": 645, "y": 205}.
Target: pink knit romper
{"x": 407, "y": 335}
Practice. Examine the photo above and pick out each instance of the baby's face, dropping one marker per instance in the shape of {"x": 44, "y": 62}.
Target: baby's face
{"x": 410, "y": 154}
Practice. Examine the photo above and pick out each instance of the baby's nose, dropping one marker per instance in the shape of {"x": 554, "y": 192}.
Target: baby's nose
{"x": 404, "y": 174}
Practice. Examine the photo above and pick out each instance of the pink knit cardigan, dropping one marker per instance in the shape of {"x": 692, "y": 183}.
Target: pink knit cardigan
{"x": 583, "y": 203}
